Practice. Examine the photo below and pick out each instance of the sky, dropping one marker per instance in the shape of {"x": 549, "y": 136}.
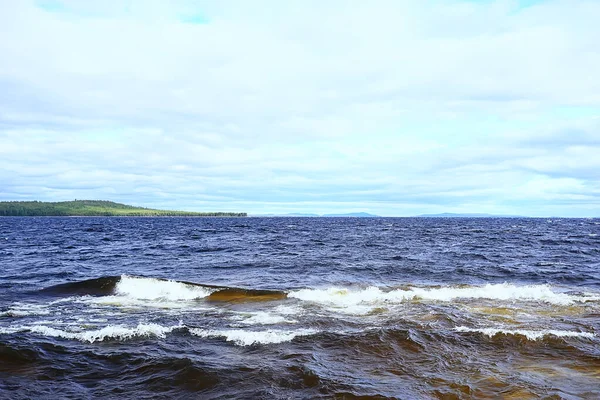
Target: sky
{"x": 395, "y": 108}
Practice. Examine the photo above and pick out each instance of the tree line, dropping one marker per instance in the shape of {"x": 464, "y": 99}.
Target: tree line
{"x": 94, "y": 208}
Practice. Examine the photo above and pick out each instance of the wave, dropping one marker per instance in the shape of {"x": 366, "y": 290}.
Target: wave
{"x": 118, "y": 332}
{"x": 91, "y": 287}
{"x": 237, "y": 294}
{"x": 343, "y": 297}
{"x": 262, "y": 318}
{"x": 529, "y": 334}
{"x": 12, "y": 358}
{"x": 248, "y": 338}
{"x": 144, "y": 288}
{"x": 134, "y": 287}
{"x": 24, "y": 310}
{"x": 153, "y": 289}
{"x": 145, "y": 292}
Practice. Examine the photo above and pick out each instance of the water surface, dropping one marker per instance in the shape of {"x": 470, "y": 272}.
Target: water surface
{"x": 405, "y": 308}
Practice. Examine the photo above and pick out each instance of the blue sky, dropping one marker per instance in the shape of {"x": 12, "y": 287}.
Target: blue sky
{"x": 391, "y": 107}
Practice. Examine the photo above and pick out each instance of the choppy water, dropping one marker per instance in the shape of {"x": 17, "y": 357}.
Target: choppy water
{"x": 299, "y": 308}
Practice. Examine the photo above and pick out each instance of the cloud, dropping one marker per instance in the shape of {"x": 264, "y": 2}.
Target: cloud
{"x": 394, "y": 107}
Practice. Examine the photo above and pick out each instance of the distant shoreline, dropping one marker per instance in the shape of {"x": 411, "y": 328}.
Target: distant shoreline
{"x": 95, "y": 208}
{"x": 126, "y": 216}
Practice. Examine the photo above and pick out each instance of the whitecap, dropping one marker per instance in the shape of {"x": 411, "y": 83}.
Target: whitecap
{"x": 24, "y": 310}
{"x": 344, "y": 298}
{"x": 247, "y": 338}
{"x": 119, "y": 332}
{"x": 154, "y": 289}
{"x": 289, "y": 310}
{"x": 134, "y": 303}
{"x": 262, "y": 318}
{"x": 529, "y": 334}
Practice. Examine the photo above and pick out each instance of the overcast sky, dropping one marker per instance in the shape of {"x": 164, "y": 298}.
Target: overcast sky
{"x": 390, "y": 107}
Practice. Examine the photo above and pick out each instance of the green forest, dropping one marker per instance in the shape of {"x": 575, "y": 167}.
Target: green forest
{"x": 94, "y": 208}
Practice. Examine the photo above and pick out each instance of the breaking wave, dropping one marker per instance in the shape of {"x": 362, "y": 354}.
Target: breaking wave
{"x": 153, "y": 289}
{"x": 262, "y": 318}
{"x": 116, "y": 332}
{"x": 144, "y": 288}
{"x": 120, "y": 332}
{"x": 343, "y": 297}
{"x": 529, "y": 334}
{"x": 248, "y": 338}
{"x": 24, "y": 309}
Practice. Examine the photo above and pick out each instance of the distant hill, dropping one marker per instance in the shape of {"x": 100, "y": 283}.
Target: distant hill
{"x": 356, "y": 214}
{"x": 301, "y": 215}
{"x": 94, "y": 208}
{"x": 307, "y": 215}
{"x": 467, "y": 215}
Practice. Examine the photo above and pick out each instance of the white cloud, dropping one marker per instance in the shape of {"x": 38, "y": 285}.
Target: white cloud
{"x": 302, "y": 105}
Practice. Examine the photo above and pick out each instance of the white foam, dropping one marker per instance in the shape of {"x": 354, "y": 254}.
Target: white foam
{"x": 24, "y": 309}
{"x": 247, "y": 338}
{"x": 262, "y": 318}
{"x": 157, "y": 289}
{"x": 109, "y": 332}
{"x": 529, "y": 334}
{"x": 9, "y": 330}
{"x": 289, "y": 310}
{"x": 339, "y": 297}
{"x": 344, "y": 298}
{"x": 133, "y": 303}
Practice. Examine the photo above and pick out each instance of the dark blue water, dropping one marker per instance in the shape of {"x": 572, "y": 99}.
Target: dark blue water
{"x": 299, "y": 308}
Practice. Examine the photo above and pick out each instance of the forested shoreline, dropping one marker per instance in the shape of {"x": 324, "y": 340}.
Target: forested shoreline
{"x": 94, "y": 208}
